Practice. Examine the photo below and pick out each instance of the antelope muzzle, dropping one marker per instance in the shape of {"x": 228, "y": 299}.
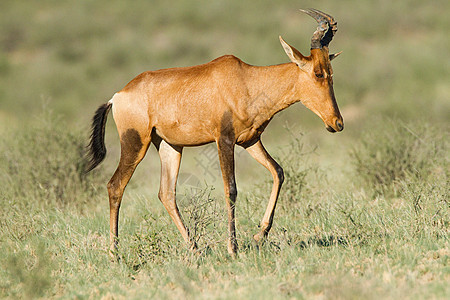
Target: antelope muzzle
{"x": 338, "y": 126}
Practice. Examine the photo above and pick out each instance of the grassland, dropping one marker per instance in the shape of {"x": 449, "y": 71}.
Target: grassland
{"x": 363, "y": 213}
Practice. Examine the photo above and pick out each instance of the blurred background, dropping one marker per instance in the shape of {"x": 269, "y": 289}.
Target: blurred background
{"x": 68, "y": 57}
{"x": 360, "y": 211}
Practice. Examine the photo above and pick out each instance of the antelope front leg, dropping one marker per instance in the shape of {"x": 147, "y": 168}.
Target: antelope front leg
{"x": 260, "y": 154}
{"x": 226, "y": 157}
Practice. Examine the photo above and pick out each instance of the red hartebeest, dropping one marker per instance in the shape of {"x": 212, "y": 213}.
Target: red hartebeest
{"x": 225, "y": 101}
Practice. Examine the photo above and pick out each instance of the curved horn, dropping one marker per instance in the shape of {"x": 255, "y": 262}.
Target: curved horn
{"x": 323, "y": 35}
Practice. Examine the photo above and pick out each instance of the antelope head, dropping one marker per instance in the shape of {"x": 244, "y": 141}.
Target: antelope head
{"x": 316, "y": 75}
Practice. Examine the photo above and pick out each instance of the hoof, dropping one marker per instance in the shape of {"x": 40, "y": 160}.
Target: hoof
{"x": 232, "y": 249}
{"x": 255, "y": 244}
{"x": 113, "y": 255}
{"x": 193, "y": 247}
{"x": 195, "y": 250}
{"x": 259, "y": 239}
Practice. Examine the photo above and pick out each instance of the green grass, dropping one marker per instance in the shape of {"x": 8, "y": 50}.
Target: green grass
{"x": 325, "y": 253}
{"x": 362, "y": 214}
{"x": 386, "y": 157}
{"x": 324, "y": 243}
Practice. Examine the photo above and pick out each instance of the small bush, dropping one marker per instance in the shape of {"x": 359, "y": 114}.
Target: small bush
{"x": 297, "y": 167}
{"x": 43, "y": 165}
{"x": 29, "y": 272}
{"x": 202, "y": 215}
{"x": 387, "y": 155}
{"x": 430, "y": 203}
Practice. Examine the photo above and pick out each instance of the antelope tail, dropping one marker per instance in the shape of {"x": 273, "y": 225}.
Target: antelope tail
{"x": 96, "y": 147}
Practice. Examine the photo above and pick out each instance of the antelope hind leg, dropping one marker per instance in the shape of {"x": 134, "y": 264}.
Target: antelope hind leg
{"x": 133, "y": 149}
{"x": 170, "y": 164}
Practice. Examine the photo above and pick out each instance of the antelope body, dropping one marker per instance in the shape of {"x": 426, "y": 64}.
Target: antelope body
{"x": 225, "y": 101}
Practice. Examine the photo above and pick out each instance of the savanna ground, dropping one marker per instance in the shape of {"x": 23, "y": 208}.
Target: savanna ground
{"x": 363, "y": 213}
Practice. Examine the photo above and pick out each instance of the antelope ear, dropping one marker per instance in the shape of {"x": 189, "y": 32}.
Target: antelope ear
{"x": 294, "y": 55}
{"x": 334, "y": 55}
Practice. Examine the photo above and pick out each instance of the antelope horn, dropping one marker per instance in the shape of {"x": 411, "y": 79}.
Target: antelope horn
{"x": 323, "y": 35}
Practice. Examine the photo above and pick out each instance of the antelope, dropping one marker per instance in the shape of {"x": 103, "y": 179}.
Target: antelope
{"x": 225, "y": 101}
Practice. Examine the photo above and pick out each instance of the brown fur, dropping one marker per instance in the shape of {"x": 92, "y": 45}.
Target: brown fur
{"x": 225, "y": 101}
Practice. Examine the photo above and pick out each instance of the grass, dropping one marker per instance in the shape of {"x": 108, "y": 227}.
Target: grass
{"x": 362, "y": 214}
{"x": 45, "y": 165}
{"x": 386, "y": 157}
{"x": 324, "y": 244}
{"x": 301, "y": 260}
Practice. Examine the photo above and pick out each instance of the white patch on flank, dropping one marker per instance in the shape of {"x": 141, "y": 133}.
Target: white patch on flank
{"x": 111, "y": 100}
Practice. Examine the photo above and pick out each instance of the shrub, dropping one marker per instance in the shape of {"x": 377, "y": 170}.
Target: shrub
{"x": 43, "y": 165}
{"x": 29, "y": 272}
{"x": 204, "y": 217}
{"x": 430, "y": 203}
{"x": 390, "y": 154}
{"x": 295, "y": 159}
{"x": 294, "y": 172}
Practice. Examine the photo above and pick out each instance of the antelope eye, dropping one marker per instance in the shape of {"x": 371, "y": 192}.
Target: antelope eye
{"x": 319, "y": 75}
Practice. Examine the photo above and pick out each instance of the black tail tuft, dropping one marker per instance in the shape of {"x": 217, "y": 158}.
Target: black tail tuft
{"x": 96, "y": 147}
